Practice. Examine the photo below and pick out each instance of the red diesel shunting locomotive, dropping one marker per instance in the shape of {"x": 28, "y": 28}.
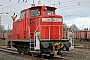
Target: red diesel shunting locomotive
{"x": 39, "y": 30}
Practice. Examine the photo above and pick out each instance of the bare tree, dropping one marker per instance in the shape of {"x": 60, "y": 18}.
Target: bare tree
{"x": 64, "y": 27}
{"x": 2, "y": 28}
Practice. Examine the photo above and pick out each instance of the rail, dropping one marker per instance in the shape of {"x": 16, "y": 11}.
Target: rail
{"x": 13, "y": 51}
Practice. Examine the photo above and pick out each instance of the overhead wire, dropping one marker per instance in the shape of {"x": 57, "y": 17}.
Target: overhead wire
{"x": 30, "y": 1}
{"x": 64, "y": 6}
{"x": 10, "y": 4}
{"x": 71, "y": 4}
{"x": 17, "y": 9}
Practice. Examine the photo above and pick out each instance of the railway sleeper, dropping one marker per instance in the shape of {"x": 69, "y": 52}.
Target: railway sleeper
{"x": 22, "y": 48}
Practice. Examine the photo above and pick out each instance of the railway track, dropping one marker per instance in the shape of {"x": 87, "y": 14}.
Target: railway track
{"x": 14, "y": 52}
{"x": 82, "y": 44}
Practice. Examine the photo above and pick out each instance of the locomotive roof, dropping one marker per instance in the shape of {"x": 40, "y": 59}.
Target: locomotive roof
{"x": 53, "y": 8}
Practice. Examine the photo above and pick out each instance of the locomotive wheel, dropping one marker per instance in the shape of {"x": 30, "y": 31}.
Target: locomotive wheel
{"x": 26, "y": 51}
{"x": 19, "y": 50}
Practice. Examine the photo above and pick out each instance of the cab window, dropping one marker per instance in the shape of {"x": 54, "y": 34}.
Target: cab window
{"x": 21, "y": 15}
{"x": 35, "y": 12}
{"x": 49, "y": 12}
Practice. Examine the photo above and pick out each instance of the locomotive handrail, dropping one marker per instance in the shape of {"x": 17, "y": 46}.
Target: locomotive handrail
{"x": 29, "y": 36}
{"x": 34, "y": 35}
{"x": 36, "y": 29}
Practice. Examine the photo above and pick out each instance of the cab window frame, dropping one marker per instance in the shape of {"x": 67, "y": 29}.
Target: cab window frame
{"x": 26, "y": 13}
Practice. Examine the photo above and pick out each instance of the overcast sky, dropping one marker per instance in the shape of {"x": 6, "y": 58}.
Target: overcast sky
{"x": 73, "y": 11}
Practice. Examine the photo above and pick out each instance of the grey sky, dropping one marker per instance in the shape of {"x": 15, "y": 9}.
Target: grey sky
{"x": 73, "y": 11}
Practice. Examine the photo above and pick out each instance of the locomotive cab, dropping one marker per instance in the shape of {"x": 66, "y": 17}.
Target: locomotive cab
{"x": 38, "y": 30}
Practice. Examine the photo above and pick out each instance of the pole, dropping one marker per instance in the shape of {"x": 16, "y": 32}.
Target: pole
{"x": 33, "y": 1}
{"x": 48, "y": 2}
{"x": 68, "y": 30}
{"x": 0, "y": 24}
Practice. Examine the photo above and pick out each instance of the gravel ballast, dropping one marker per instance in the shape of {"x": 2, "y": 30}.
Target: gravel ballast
{"x": 6, "y": 56}
{"x": 81, "y": 52}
